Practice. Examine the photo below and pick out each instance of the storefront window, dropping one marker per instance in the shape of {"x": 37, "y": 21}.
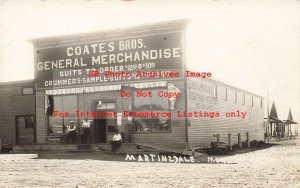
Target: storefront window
{"x": 141, "y": 104}
{"x": 154, "y": 104}
{"x": 68, "y": 106}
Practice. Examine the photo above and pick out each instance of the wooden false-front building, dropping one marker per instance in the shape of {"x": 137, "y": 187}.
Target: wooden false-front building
{"x": 98, "y": 76}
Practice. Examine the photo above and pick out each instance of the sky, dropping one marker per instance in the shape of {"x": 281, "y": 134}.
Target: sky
{"x": 250, "y": 44}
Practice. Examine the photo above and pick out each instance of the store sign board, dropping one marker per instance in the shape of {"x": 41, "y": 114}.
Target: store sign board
{"x": 148, "y": 57}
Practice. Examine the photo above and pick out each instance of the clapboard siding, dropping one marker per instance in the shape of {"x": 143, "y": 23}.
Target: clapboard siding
{"x": 13, "y": 104}
{"x": 202, "y": 130}
{"x": 41, "y": 126}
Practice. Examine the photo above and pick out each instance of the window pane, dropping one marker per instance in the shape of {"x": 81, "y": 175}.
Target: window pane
{"x": 68, "y": 103}
{"x": 141, "y": 103}
{"x": 70, "y": 106}
{"x": 58, "y": 106}
{"x": 152, "y": 124}
{"x": 152, "y": 104}
{"x": 56, "y": 122}
{"x": 28, "y": 91}
{"x": 215, "y": 91}
{"x": 161, "y": 124}
{"x": 29, "y": 122}
{"x": 159, "y": 103}
{"x": 110, "y": 105}
{"x": 101, "y": 107}
{"x": 142, "y": 125}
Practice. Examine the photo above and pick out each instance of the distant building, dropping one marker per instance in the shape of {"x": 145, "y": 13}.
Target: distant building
{"x": 17, "y": 112}
{"x": 289, "y": 122}
{"x": 276, "y": 125}
{"x": 280, "y": 128}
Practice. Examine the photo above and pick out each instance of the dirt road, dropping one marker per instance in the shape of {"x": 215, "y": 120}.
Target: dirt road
{"x": 277, "y": 166}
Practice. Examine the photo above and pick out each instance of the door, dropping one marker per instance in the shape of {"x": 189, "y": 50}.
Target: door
{"x": 25, "y": 126}
{"x": 104, "y": 127}
{"x": 99, "y": 130}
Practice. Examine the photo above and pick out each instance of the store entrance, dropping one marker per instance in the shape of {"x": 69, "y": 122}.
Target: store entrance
{"x": 100, "y": 130}
{"x": 104, "y": 126}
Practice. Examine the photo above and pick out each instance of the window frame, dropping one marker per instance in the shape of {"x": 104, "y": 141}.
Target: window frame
{"x": 25, "y": 116}
{"x": 133, "y": 119}
{"x": 235, "y": 96}
{"x": 27, "y": 88}
{"x": 76, "y": 120}
{"x": 215, "y": 91}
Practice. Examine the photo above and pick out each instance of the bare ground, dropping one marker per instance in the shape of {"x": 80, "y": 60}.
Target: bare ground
{"x": 277, "y": 166}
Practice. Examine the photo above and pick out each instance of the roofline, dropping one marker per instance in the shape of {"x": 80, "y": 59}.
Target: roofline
{"x": 290, "y": 122}
{"x": 234, "y": 87}
{"x": 275, "y": 119}
{"x": 98, "y": 33}
{"x": 32, "y": 81}
{"x": 18, "y": 82}
{"x": 126, "y": 30}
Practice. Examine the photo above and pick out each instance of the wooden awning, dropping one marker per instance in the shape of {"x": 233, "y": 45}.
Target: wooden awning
{"x": 83, "y": 90}
{"x": 290, "y": 118}
{"x": 143, "y": 85}
{"x": 290, "y": 122}
{"x": 274, "y": 120}
{"x": 146, "y": 85}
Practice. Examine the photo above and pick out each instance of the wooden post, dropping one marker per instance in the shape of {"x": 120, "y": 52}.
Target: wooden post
{"x": 193, "y": 150}
{"x": 248, "y": 139}
{"x": 268, "y": 134}
{"x": 240, "y": 141}
{"x": 218, "y": 137}
{"x": 271, "y": 130}
{"x": 229, "y": 142}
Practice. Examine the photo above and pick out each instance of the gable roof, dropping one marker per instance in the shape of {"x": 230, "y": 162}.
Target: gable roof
{"x": 273, "y": 114}
{"x": 290, "y": 118}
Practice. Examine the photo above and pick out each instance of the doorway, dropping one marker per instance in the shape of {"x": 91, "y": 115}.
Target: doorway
{"x": 103, "y": 127}
{"x": 25, "y": 129}
{"x": 100, "y": 130}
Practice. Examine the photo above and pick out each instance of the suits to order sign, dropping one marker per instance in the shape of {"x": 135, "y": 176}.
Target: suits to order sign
{"x": 132, "y": 58}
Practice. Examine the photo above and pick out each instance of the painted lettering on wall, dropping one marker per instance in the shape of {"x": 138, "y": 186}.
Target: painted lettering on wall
{"x": 87, "y": 63}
